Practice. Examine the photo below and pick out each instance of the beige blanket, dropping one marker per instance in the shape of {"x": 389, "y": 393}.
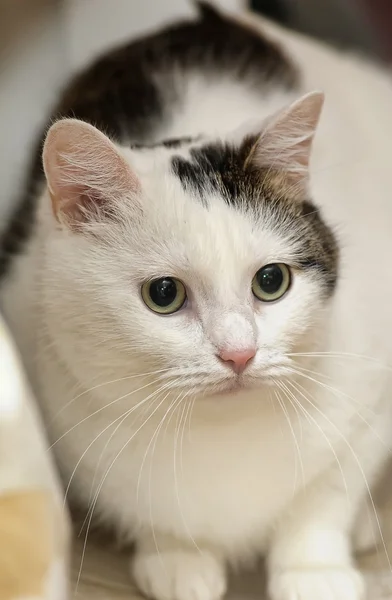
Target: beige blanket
{"x": 105, "y": 576}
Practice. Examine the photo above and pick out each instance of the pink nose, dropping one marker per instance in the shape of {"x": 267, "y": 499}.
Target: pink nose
{"x": 237, "y": 359}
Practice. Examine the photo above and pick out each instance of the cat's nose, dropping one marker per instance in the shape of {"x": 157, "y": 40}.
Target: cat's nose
{"x": 237, "y": 359}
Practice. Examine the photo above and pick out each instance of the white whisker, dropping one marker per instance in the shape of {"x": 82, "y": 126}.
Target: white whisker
{"x": 178, "y": 426}
{"x": 153, "y": 441}
{"x": 296, "y": 445}
{"x": 347, "y": 355}
{"x": 100, "y": 410}
{"x": 104, "y": 384}
{"x": 320, "y": 429}
{"x": 346, "y": 396}
{"x": 357, "y": 461}
{"x": 125, "y": 445}
{"x": 121, "y": 420}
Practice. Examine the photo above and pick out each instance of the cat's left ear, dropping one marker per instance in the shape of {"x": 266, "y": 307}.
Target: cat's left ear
{"x": 285, "y": 141}
{"x": 88, "y": 177}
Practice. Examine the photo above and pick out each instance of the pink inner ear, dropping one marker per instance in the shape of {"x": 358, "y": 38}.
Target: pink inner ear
{"x": 86, "y": 173}
{"x": 286, "y": 142}
{"x": 88, "y": 206}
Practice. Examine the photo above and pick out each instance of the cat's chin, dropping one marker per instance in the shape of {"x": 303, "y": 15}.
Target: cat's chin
{"x": 234, "y": 387}
{"x": 231, "y": 389}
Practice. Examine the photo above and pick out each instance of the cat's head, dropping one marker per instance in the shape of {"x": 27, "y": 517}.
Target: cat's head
{"x": 203, "y": 263}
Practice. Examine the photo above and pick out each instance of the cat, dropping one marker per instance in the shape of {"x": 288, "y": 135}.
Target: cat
{"x": 197, "y": 276}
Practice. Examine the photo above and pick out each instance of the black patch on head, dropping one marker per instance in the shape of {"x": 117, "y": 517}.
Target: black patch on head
{"x": 221, "y": 169}
{"x": 215, "y": 167}
{"x": 170, "y": 143}
{"x": 320, "y": 249}
{"x": 122, "y": 95}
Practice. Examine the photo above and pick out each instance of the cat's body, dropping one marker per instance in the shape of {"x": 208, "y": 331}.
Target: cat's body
{"x": 138, "y": 405}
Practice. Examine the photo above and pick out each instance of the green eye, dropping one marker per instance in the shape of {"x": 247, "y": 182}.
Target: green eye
{"x": 271, "y": 282}
{"x": 164, "y": 296}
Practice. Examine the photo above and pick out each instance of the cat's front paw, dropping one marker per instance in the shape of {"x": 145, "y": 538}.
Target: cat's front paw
{"x": 329, "y": 583}
{"x": 180, "y": 575}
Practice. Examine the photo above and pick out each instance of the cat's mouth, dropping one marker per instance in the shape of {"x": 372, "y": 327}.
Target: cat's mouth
{"x": 233, "y": 386}
{"x": 205, "y": 385}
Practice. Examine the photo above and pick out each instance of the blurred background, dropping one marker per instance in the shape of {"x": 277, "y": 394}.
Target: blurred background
{"x": 42, "y": 42}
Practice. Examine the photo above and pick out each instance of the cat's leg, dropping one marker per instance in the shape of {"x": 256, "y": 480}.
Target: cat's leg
{"x": 310, "y": 555}
{"x": 374, "y": 520}
{"x": 368, "y": 528}
{"x": 166, "y": 569}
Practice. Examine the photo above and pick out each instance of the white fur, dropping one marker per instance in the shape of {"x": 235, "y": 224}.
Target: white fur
{"x": 230, "y": 475}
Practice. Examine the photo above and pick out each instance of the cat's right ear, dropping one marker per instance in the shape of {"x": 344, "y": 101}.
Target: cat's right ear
{"x": 285, "y": 142}
{"x": 87, "y": 175}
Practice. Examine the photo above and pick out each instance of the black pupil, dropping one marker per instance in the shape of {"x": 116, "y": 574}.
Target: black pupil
{"x": 270, "y": 279}
{"x": 163, "y": 292}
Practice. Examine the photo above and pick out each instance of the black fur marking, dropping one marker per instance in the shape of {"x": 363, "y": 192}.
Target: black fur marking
{"x": 120, "y": 95}
{"x": 22, "y": 222}
{"x": 278, "y": 10}
{"x": 214, "y": 167}
{"x": 319, "y": 245}
{"x": 170, "y": 143}
{"x": 221, "y": 169}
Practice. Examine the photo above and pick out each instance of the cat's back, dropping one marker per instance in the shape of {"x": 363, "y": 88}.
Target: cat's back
{"x": 197, "y": 76}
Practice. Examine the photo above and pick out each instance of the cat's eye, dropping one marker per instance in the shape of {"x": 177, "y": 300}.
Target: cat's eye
{"x": 271, "y": 282}
{"x": 164, "y": 296}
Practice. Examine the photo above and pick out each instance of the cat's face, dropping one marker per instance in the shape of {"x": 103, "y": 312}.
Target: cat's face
{"x": 207, "y": 265}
